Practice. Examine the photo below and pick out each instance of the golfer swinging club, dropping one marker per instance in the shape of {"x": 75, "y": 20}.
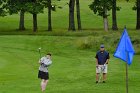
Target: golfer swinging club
{"x": 43, "y": 74}
{"x": 102, "y": 59}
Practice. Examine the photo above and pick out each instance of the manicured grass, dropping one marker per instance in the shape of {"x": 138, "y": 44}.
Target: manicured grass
{"x": 73, "y": 70}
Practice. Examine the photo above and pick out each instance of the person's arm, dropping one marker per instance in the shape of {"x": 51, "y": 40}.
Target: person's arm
{"x": 40, "y": 61}
{"x": 96, "y": 60}
{"x": 49, "y": 63}
{"x": 107, "y": 61}
{"x": 108, "y": 57}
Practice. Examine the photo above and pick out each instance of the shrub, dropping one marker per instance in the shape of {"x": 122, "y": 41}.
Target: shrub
{"x": 84, "y": 43}
{"x": 89, "y": 43}
{"x": 110, "y": 41}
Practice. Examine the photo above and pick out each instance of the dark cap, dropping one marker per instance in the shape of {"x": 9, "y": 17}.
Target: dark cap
{"x": 102, "y": 46}
{"x": 49, "y": 54}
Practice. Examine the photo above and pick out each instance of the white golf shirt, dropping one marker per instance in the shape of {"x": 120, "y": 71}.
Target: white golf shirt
{"x": 46, "y": 62}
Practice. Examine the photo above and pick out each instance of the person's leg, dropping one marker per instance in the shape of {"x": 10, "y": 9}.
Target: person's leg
{"x": 97, "y": 77}
{"x": 104, "y": 77}
{"x": 97, "y": 73}
{"x": 105, "y": 74}
{"x": 43, "y": 84}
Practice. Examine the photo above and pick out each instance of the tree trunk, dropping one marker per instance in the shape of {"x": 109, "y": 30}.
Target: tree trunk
{"x": 34, "y": 22}
{"x": 114, "y": 19}
{"x": 105, "y": 24}
{"x": 21, "y": 22}
{"x": 78, "y": 15}
{"x": 138, "y": 15}
{"x": 49, "y": 16}
{"x": 71, "y": 15}
{"x": 105, "y": 19}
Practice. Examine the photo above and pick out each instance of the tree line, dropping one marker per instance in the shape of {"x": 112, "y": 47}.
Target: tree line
{"x": 34, "y": 7}
{"x": 101, "y": 8}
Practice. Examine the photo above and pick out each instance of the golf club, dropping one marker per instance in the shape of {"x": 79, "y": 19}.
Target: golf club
{"x": 39, "y": 50}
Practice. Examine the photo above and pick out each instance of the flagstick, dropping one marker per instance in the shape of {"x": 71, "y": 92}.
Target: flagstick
{"x": 127, "y": 74}
{"x": 126, "y": 68}
{"x": 126, "y": 78}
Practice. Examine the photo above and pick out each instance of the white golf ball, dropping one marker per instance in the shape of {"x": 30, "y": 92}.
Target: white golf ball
{"x": 39, "y": 48}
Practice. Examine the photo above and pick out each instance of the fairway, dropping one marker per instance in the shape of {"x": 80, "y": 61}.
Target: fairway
{"x": 72, "y": 71}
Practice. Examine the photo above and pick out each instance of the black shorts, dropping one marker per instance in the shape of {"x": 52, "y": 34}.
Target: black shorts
{"x": 43, "y": 75}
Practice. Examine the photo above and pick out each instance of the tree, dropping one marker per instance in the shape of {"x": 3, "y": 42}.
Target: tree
{"x": 101, "y": 7}
{"x": 49, "y": 16}
{"x": 114, "y": 15}
{"x": 22, "y": 12}
{"x": 114, "y": 18}
{"x": 78, "y": 15}
{"x": 34, "y": 7}
{"x": 21, "y": 21}
{"x": 48, "y": 4}
{"x": 15, "y": 6}
{"x": 137, "y": 8}
{"x": 138, "y": 14}
{"x": 71, "y": 15}
{"x": 34, "y": 13}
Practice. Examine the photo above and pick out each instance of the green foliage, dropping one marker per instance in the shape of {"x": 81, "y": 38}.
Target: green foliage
{"x": 118, "y": 8}
{"x": 137, "y": 5}
{"x": 110, "y": 41}
{"x": 85, "y": 43}
{"x": 2, "y": 10}
{"x": 34, "y": 7}
{"x": 14, "y": 6}
{"x": 134, "y": 7}
{"x": 100, "y": 7}
{"x": 31, "y": 6}
{"x": 136, "y": 42}
{"x": 93, "y": 43}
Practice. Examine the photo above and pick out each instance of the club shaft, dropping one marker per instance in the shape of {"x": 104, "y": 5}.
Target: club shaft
{"x": 39, "y": 54}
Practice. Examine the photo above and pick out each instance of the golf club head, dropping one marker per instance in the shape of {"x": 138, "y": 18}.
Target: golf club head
{"x": 39, "y": 49}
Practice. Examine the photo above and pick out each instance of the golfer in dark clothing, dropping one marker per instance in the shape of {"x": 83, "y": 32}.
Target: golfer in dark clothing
{"x": 102, "y": 59}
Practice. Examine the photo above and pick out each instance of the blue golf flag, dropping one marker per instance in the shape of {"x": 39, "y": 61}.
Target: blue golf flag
{"x": 125, "y": 50}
